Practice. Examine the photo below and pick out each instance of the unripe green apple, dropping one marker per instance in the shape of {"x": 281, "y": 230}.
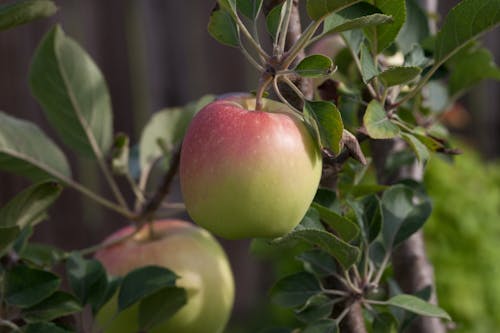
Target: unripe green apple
{"x": 194, "y": 255}
{"x": 247, "y": 173}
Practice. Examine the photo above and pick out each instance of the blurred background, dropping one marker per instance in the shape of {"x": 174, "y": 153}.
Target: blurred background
{"x": 157, "y": 53}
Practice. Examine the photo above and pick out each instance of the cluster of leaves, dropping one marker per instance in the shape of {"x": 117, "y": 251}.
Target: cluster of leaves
{"x": 386, "y": 84}
{"x": 76, "y": 102}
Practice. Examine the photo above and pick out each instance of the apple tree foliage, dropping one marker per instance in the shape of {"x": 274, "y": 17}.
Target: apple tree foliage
{"x": 388, "y": 80}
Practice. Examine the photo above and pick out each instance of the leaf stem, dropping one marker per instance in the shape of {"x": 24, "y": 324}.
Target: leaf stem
{"x": 9, "y": 324}
{"x": 284, "y": 29}
{"x": 264, "y": 82}
{"x": 250, "y": 38}
{"x": 300, "y": 44}
{"x": 103, "y": 245}
{"x": 283, "y": 99}
{"x": 382, "y": 267}
{"x": 293, "y": 86}
{"x": 251, "y": 59}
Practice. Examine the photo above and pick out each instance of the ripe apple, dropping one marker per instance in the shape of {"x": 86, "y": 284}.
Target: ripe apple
{"x": 248, "y": 173}
{"x": 194, "y": 255}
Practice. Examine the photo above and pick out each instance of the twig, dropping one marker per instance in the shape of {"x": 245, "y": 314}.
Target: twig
{"x": 155, "y": 202}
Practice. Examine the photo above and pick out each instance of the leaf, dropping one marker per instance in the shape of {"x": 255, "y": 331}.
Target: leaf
{"x": 223, "y": 28}
{"x": 377, "y": 124}
{"x": 319, "y": 8}
{"x": 295, "y": 290}
{"x": 344, "y": 227}
{"x": 415, "y": 29}
{"x": 25, "y": 287}
{"x": 405, "y": 211}
{"x": 417, "y": 146}
{"x": 274, "y": 19}
{"x": 322, "y": 326}
{"x": 353, "y": 39}
{"x": 25, "y": 150}
{"x": 21, "y": 12}
{"x": 384, "y": 323}
{"x": 143, "y": 282}
{"x": 471, "y": 67}
{"x": 368, "y": 67}
{"x": 418, "y": 306}
{"x": 345, "y": 253}
{"x": 317, "y": 307}
{"x": 466, "y": 21}
{"x": 105, "y": 296}
{"x": 357, "y": 16}
{"x": 398, "y": 75}
{"x": 318, "y": 263}
{"x": 25, "y": 209}
{"x": 387, "y": 33}
{"x": 87, "y": 279}
{"x": 42, "y": 255}
{"x": 315, "y": 65}
{"x": 72, "y": 91}
{"x": 44, "y": 328}
{"x": 59, "y": 304}
{"x": 369, "y": 213}
{"x": 168, "y": 126}
{"x": 121, "y": 154}
{"x": 416, "y": 57}
{"x": 329, "y": 123}
{"x": 160, "y": 306}
{"x": 250, "y": 8}
{"x": 327, "y": 198}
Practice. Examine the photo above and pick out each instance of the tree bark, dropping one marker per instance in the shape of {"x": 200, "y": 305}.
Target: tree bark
{"x": 412, "y": 269}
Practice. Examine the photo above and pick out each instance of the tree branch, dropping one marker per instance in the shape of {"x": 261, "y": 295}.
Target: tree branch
{"x": 412, "y": 269}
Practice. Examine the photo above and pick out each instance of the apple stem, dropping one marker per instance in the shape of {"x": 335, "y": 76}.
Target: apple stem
{"x": 264, "y": 83}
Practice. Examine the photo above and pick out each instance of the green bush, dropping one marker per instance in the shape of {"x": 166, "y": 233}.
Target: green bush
{"x": 463, "y": 237}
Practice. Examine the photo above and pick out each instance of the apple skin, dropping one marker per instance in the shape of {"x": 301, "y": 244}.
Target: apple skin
{"x": 194, "y": 255}
{"x": 247, "y": 173}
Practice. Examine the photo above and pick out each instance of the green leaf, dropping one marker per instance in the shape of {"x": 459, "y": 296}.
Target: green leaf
{"x": 387, "y": 33}
{"x": 44, "y": 328}
{"x": 87, "y": 279}
{"x": 25, "y": 150}
{"x": 358, "y": 16}
{"x": 21, "y": 12}
{"x": 315, "y": 65}
{"x": 384, "y": 323}
{"x": 329, "y": 123}
{"x": 368, "y": 212}
{"x": 294, "y": 290}
{"x": 416, "y": 57}
{"x": 317, "y": 307}
{"x": 368, "y": 67}
{"x": 398, "y": 75}
{"x": 328, "y": 198}
{"x": 344, "y": 227}
{"x": 223, "y": 28}
{"x": 160, "y": 306}
{"x": 318, "y": 263}
{"x": 405, "y": 211}
{"x": 417, "y": 146}
{"x": 42, "y": 255}
{"x": 111, "y": 288}
{"x": 471, "y": 67}
{"x": 25, "y": 287}
{"x": 59, "y": 304}
{"x": 250, "y": 8}
{"x": 466, "y": 21}
{"x": 322, "y": 326}
{"x": 345, "y": 253}
{"x": 72, "y": 91}
{"x": 274, "y": 18}
{"x": 320, "y": 8}
{"x": 377, "y": 124}
{"x": 143, "y": 282}
{"x": 418, "y": 306}
{"x": 353, "y": 39}
{"x": 25, "y": 209}
{"x": 121, "y": 154}
{"x": 415, "y": 28}
{"x": 167, "y": 126}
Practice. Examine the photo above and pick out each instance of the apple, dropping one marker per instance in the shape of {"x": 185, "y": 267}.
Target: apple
{"x": 247, "y": 173}
{"x": 194, "y": 255}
